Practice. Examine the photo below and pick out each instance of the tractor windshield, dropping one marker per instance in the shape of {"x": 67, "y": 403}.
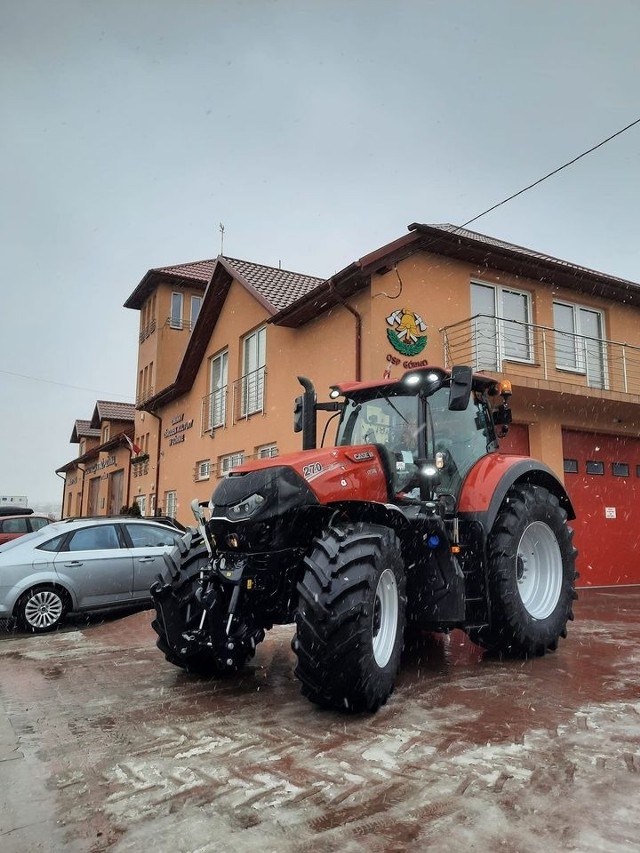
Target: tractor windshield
{"x": 390, "y": 421}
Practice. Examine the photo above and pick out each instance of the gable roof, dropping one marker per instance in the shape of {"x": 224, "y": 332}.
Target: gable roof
{"x": 463, "y": 244}
{"x": 272, "y": 287}
{"x": 106, "y": 410}
{"x": 83, "y": 429}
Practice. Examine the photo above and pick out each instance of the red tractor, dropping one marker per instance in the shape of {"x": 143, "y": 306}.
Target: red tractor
{"x": 413, "y": 518}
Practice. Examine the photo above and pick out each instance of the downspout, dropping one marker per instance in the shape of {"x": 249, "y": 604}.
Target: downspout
{"x": 157, "y": 486}
{"x": 358, "y": 320}
{"x": 82, "y": 492}
{"x": 64, "y": 480}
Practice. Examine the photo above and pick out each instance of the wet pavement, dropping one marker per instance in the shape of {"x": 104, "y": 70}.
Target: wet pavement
{"x": 105, "y": 746}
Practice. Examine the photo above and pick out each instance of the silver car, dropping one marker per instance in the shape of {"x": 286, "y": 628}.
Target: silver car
{"x": 81, "y": 565}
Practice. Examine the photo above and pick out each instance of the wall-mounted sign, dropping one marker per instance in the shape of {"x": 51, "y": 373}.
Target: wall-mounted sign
{"x": 106, "y": 463}
{"x": 609, "y": 512}
{"x": 406, "y": 332}
{"x": 175, "y": 433}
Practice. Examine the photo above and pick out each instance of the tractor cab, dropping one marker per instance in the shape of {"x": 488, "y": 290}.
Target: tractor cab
{"x": 430, "y": 427}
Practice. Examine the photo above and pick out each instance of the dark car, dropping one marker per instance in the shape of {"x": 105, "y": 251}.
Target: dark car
{"x": 12, "y": 526}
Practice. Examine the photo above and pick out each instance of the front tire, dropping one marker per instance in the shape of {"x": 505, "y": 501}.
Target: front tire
{"x": 351, "y": 618}
{"x": 41, "y": 609}
{"x": 179, "y": 607}
{"x": 532, "y": 575}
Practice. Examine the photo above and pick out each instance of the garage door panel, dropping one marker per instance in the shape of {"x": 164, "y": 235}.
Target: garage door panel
{"x": 601, "y": 477}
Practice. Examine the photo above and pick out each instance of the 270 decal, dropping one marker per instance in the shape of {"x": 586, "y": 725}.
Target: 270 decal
{"x": 311, "y": 470}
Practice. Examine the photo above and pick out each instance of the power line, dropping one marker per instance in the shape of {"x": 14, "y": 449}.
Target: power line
{"x": 554, "y": 172}
{"x": 64, "y": 384}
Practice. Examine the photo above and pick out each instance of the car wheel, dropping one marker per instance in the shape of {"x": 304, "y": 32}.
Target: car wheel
{"x": 41, "y": 609}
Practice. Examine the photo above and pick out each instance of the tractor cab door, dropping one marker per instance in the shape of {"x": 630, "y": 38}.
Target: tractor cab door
{"x": 391, "y": 423}
{"x": 462, "y": 437}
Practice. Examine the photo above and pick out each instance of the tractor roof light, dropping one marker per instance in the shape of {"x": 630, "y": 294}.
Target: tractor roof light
{"x": 334, "y": 393}
{"x": 413, "y": 379}
{"x": 505, "y": 389}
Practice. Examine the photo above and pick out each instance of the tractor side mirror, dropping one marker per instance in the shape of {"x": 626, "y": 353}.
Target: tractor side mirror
{"x": 460, "y": 390}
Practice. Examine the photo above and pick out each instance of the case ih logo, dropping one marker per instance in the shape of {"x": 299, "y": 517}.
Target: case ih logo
{"x": 407, "y": 332}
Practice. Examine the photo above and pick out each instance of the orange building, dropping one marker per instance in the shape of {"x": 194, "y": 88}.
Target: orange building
{"x": 222, "y": 342}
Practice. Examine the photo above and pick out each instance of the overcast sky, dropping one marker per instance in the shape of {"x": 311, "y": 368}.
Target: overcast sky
{"x": 315, "y": 131}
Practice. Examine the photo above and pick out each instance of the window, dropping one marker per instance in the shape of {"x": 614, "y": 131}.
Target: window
{"x": 105, "y": 433}
{"x": 171, "y": 503}
{"x": 14, "y": 525}
{"x": 38, "y": 523}
{"x": 141, "y": 500}
{"x": 226, "y": 463}
{"x": 267, "y": 451}
{"x": 501, "y": 330}
{"x": 175, "y": 321}
{"x": 151, "y": 536}
{"x": 619, "y": 469}
{"x": 152, "y": 505}
{"x": 579, "y": 341}
{"x": 570, "y": 466}
{"x": 217, "y": 401}
{"x": 102, "y": 538}
{"x": 203, "y": 470}
{"x": 253, "y": 354}
{"x": 196, "y": 304}
{"x": 594, "y": 467}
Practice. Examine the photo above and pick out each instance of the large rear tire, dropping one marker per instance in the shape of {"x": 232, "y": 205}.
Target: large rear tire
{"x": 351, "y": 617}
{"x": 532, "y": 575}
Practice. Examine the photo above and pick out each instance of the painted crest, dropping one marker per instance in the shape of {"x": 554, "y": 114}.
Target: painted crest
{"x": 406, "y": 332}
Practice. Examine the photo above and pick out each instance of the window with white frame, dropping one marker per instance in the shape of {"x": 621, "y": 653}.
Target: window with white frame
{"x": 105, "y": 433}
{"x": 152, "y": 505}
{"x": 253, "y": 363}
{"x": 501, "y": 325}
{"x": 175, "y": 320}
{"x": 170, "y": 503}
{"x": 226, "y": 463}
{"x": 579, "y": 341}
{"x": 141, "y": 500}
{"x": 196, "y": 303}
{"x": 267, "y": 451}
{"x": 217, "y": 401}
{"x": 203, "y": 469}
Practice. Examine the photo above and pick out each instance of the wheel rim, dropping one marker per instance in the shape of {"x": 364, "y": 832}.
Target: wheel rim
{"x": 539, "y": 570}
{"x": 43, "y": 609}
{"x": 385, "y": 618}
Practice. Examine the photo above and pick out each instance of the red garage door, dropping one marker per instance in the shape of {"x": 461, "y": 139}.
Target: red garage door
{"x": 516, "y": 440}
{"x": 602, "y": 476}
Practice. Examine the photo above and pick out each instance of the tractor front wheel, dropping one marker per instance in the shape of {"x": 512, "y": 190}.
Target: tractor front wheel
{"x": 351, "y": 617}
{"x": 531, "y": 575}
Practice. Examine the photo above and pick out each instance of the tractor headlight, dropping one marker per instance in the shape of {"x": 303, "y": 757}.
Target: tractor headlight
{"x": 246, "y": 508}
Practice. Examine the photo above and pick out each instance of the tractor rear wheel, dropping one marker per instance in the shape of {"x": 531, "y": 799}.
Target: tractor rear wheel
{"x": 351, "y": 617}
{"x": 531, "y": 575}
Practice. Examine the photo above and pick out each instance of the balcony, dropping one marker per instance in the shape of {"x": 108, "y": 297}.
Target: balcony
{"x": 538, "y": 353}
{"x": 214, "y": 410}
{"x": 248, "y": 394}
{"x": 145, "y": 395}
{"x": 148, "y": 330}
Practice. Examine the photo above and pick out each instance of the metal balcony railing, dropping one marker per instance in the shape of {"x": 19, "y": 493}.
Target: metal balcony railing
{"x": 214, "y": 410}
{"x": 149, "y": 329}
{"x": 539, "y": 352}
{"x": 249, "y": 394}
{"x": 145, "y": 395}
{"x": 179, "y": 323}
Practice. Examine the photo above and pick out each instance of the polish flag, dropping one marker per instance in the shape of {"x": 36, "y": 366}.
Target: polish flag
{"x": 135, "y": 450}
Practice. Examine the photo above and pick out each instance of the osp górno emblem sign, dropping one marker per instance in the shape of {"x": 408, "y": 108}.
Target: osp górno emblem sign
{"x": 406, "y": 332}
